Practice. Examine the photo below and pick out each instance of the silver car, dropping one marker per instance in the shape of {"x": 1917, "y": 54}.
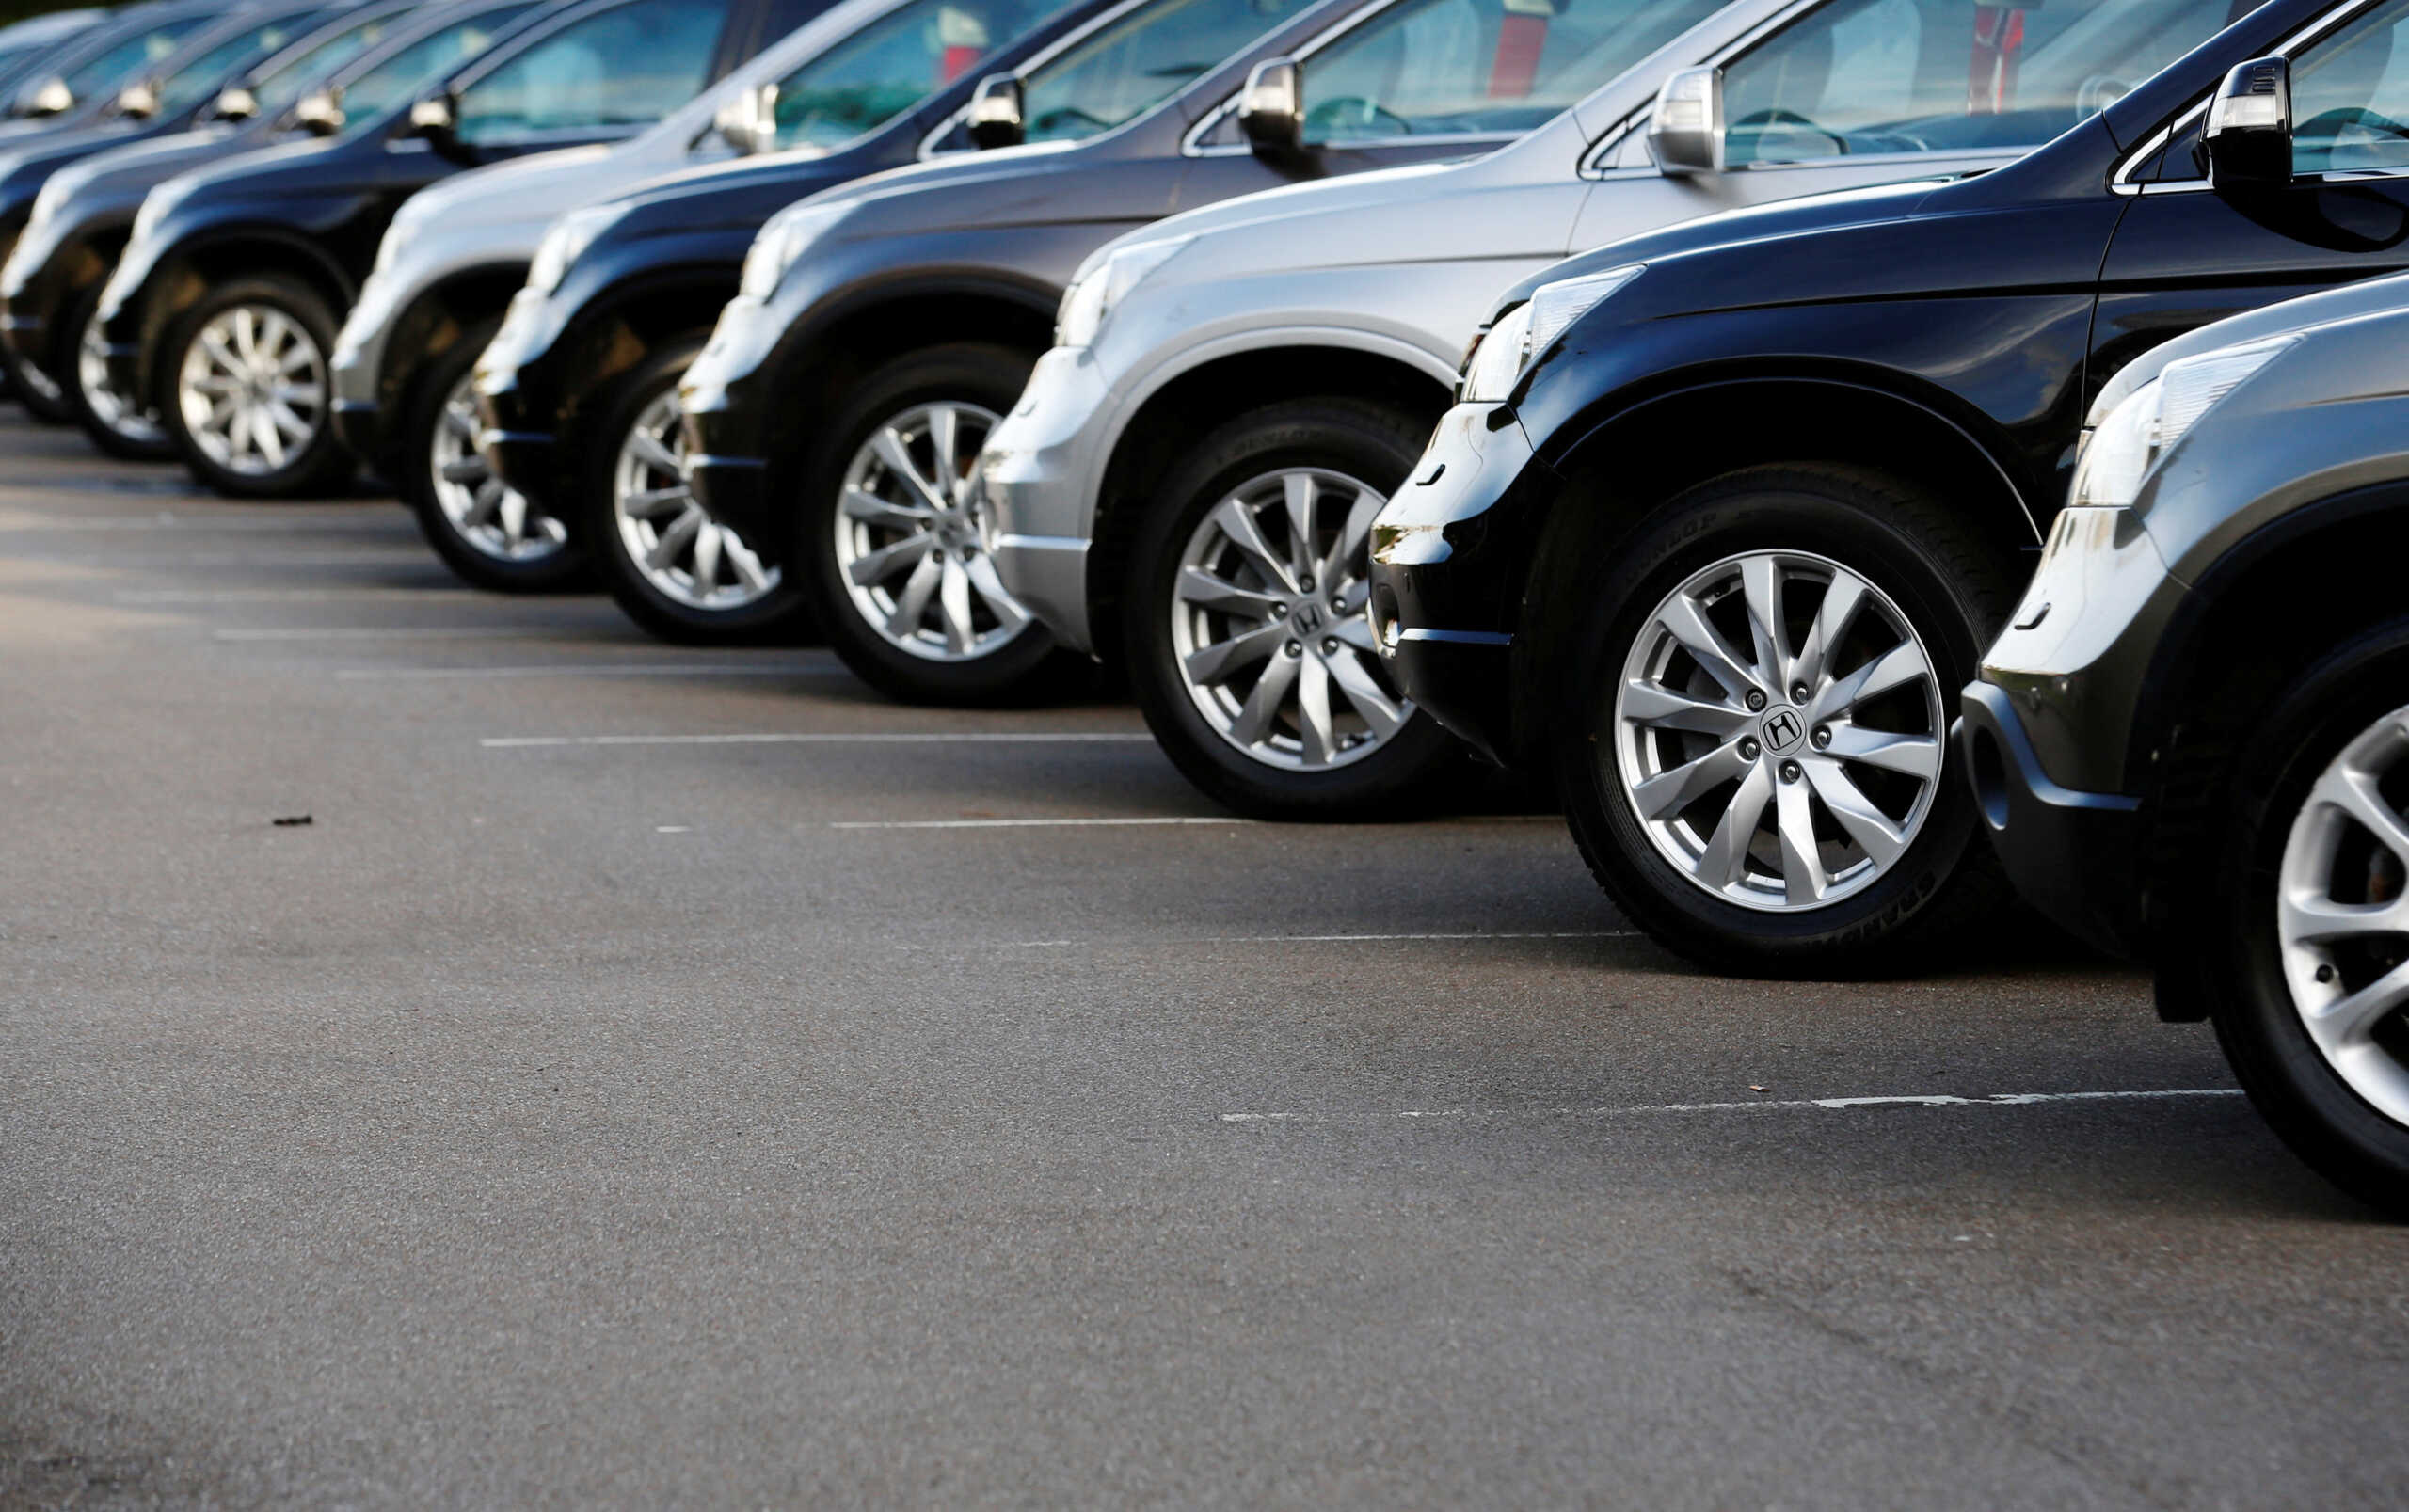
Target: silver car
{"x": 1187, "y": 486}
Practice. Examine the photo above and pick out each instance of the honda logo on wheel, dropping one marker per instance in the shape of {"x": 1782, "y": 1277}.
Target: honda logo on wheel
{"x": 1783, "y": 729}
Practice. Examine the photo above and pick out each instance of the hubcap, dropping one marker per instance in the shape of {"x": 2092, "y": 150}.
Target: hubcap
{"x": 110, "y": 407}
{"x": 2343, "y": 920}
{"x": 495, "y": 521}
{"x": 1268, "y": 622}
{"x": 1778, "y": 731}
{"x": 253, "y": 389}
{"x": 908, "y": 541}
{"x": 686, "y": 555}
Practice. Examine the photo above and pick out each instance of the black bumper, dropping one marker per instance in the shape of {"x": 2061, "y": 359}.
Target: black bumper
{"x": 728, "y": 469}
{"x": 515, "y": 436}
{"x": 362, "y": 427}
{"x": 2073, "y": 855}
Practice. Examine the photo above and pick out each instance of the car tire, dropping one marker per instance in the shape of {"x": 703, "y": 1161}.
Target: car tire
{"x": 1764, "y": 850}
{"x": 101, "y": 410}
{"x": 1243, "y": 735}
{"x": 677, "y": 572}
{"x": 491, "y": 537}
{"x": 928, "y": 621}
{"x": 241, "y": 430}
{"x": 2293, "y": 841}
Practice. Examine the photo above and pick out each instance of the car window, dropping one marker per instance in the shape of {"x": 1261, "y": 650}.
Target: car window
{"x": 892, "y": 64}
{"x": 1861, "y": 76}
{"x": 1432, "y": 67}
{"x": 388, "y": 82}
{"x": 113, "y": 65}
{"x": 286, "y": 84}
{"x": 204, "y": 75}
{"x": 625, "y": 67}
{"x": 1131, "y": 67}
{"x": 2351, "y": 95}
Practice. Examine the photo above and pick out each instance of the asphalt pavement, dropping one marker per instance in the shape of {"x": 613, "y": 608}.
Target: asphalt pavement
{"x": 642, "y": 1076}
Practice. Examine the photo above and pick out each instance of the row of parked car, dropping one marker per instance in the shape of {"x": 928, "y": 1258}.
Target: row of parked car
{"x": 1677, "y": 401}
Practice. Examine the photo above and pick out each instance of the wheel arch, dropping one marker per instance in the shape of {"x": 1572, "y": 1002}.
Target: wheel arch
{"x": 218, "y": 257}
{"x": 436, "y": 318}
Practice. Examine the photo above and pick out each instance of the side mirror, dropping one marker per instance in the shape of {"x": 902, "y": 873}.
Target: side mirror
{"x": 436, "y": 120}
{"x": 319, "y": 113}
{"x": 1271, "y": 108}
{"x": 1685, "y": 128}
{"x": 2249, "y": 135}
{"x": 749, "y": 121}
{"x": 51, "y": 97}
{"x": 139, "y": 100}
{"x": 995, "y": 118}
{"x": 237, "y": 103}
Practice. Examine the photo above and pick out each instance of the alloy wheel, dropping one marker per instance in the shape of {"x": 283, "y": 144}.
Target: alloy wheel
{"x": 1778, "y": 731}
{"x": 686, "y": 556}
{"x": 2342, "y": 915}
{"x": 497, "y": 520}
{"x": 253, "y": 389}
{"x": 908, "y": 542}
{"x": 108, "y": 406}
{"x": 1267, "y": 623}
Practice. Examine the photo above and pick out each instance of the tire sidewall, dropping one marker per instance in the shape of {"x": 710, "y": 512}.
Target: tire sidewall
{"x": 80, "y": 314}
{"x": 566, "y": 568}
{"x": 322, "y": 466}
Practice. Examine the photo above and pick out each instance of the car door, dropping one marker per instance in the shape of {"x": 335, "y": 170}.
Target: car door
{"x": 601, "y": 76}
{"x": 2185, "y": 253}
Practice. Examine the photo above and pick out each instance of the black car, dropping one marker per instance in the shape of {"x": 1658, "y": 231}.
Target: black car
{"x": 225, "y": 302}
{"x": 78, "y": 84}
{"x": 625, "y": 292}
{"x": 2192, "y": 744}
{"x": 168, "y": 101}
{"x": 1725, "y": 513}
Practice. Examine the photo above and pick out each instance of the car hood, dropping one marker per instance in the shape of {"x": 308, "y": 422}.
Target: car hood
{"x": 935, "y": 196}
{"x": 25, "y": 170}
{"x": 744, "y": 193}
{"x": 2351, "y": 301}
{"x": 308, "y": 167}
{"x": 527, "y": 192}
{"x": 116, "y": 181}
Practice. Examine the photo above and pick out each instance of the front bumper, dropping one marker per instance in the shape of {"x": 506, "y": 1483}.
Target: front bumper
{"x": 516, "y": 424}
{"x": 1037, "y": 478}
{"x": 1447, "y": 564}
{"x": 2072, "y": 854}
{"x": 726, "y": 417}
{"x": 361, "y": 421}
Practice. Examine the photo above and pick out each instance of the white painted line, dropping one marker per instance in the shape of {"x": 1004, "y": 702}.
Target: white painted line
{"x": 1838, "y": 1105}
{"x": 295, "y": 595}
{"x": 393, "y": 524}
{"x": 1020, "y": 823}
{"x": 414, "y": 558}
{"x": 390, "y": 632}
{"x": 663, "y": 669}
{"x": 673, "y": 829}
{"x": 1330, "y": 939}
{"x": 520, "y": 742}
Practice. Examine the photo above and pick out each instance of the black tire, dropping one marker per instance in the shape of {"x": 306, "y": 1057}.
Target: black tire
{"x": 1027, "y": 668}
{"x": 319, "y": 465}
{"x": 1370, "y": 443}
{"x": 565, "y": 569}
{"x": 2277, "y": 760}
{"x": 1948, "y": 585}
{"x": 44, "y": 397}
{"x": 117, "y": 443}
{"x": 779, "y": 617}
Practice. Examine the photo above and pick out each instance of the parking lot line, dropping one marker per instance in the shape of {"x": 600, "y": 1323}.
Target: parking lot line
{"x": 1332, "y": 939}
{"x": 665, "y": 669}
{"x": 1031, "y": 824}
{"x": 516, "y": 743}
{"x": 293, "y": 595}
{"x": 1829, "y": 1105}
{"x": 381, "y": 633}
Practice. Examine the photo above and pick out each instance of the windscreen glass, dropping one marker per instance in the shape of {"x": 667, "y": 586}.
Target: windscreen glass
{"x": 295, "y": 75}
{"x": 2351, "y": 95}
{"x": 130, "y": 58}
{"x": 1141, "y": 60}
{"x": 440, "y": 52}
{"x": 627, "y": 66}
{"x": 206, "y": 75}
{"x": 893, "y": 63}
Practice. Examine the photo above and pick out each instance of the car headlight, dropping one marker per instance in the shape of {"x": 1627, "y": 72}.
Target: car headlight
{"x": 1500, "y": 355}
{"x": 1101, "y": 286}
{"x": 566, "y": 242}
{"x": 788, "y": 234}
{"x": 2120, "y": 449}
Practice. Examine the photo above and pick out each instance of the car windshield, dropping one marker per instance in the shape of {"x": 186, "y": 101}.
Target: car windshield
{"x": 295, "y": 76}
{"x": 1133, "y": 66}
{"x": 205, "y": 75}
{"x": 143, "y": 49}
{"x": 893, "y": 63}
{"x": 438, "y": 53}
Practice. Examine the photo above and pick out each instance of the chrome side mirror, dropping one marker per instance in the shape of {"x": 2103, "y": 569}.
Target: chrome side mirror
{"x": 749, "y": 121}
{"x": 2249, "y": 135}
{"x": 319, "y": 113}
{"x": 995, "y": 113}
{"x": 236, "y": 103}
{"x": 51, "y": 97}
{"x": 436, "y": 122}
{"x": 1271, "y": 108}
{"x": 139, "y": 102}
{"x": 1685, "y": 128}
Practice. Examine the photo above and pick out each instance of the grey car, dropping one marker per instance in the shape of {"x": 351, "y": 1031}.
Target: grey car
{"x": 2192, "y": 744}
{"x": 903, "y": 314}
{"x": 1186, "y": 488}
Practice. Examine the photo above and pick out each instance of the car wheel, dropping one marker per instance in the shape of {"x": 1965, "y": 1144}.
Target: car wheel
{"x": 890, "y": 535}
{"x": 1250, "y": 649}
{"x": 1754, "y": 752}
{"x": 115, "y": 422}
{"x": 245, "y": 392}
{"x": 677, "y": 572}
{"x": 43, "y": 396}
{"x": 2309, "y": 990}
{"x": 491, "y": 537}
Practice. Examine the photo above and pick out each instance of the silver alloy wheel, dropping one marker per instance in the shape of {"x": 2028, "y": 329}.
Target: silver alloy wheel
{"x": 1778, "y": 731}
{"x": 687, "y": 556}
{"x": 908, "y": 539}
{"x": 1268, "y": 622}
{"x": 2342, "y": 918}
{"x": 492, "y": 520}
{"x": 253, "y": 389}
{"x": 110, "y": 407}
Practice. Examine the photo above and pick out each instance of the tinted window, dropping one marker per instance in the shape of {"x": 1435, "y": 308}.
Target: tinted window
{"x": 206, "y": 75}
{"x": 2351, "y": 95}
{"x": 625, "y": 67}
{"x": 1933, "y": 75}
{"x": 892, "y": 64}
{"x": 395, "y": 79}
{"x": 283, "y": 87}
{"x": 1437, "y": 66}
{"x": 1143, "y": 60}
{"x": 114, "y": 65}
